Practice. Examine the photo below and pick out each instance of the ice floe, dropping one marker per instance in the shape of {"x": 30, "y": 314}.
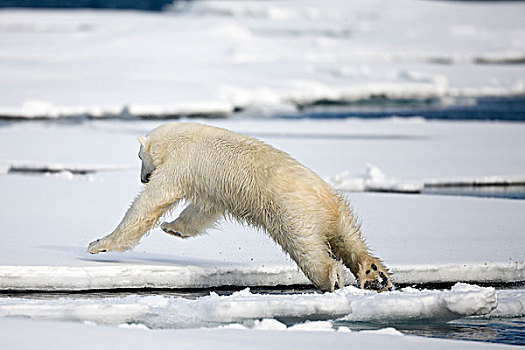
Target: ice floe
{"x": 248, "y": 309}
{"x": 461, "y": 300}
{"x": 266, "y": 55}
{"x": 134, "y": 276}
{"x": 40, "y": 167}
{"x": 467, "y": 272}
{"x": 374, "y": 180}
{"x": 511, "y": 303}
{"x": 125, "y": 276}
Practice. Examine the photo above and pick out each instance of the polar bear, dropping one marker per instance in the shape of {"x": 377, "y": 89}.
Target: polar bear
{"x": 219, "y": 172}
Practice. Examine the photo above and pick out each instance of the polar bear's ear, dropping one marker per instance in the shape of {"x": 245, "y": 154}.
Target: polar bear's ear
{"x": 143, "y": 141}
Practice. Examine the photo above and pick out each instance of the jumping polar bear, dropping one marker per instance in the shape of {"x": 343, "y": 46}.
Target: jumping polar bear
{"x": 219, "y": 172}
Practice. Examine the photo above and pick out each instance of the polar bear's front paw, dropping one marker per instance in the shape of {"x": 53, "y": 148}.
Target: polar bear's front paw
{"x": 336, "y": 277}
{"x": 98, "y": 246}
{"x": 373, "y": 275}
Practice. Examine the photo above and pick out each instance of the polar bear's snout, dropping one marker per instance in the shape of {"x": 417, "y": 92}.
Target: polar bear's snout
{"x": 144, "y": 178}
{"x": 145, "y": 172}
{"x": 148, "y": 165}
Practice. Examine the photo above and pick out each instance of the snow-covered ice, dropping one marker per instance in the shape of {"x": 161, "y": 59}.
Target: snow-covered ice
{"x": 212, "y": 57}
{"x": 511, "y": 303}
{"x": 18, "y": 333}
{"x": 350, "y": 304}
{"x": 407, "y": 232}
{"x": 374, "y": 180}
{"x": 409, "y": 150}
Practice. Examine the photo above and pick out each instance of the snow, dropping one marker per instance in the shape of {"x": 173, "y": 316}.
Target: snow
{"x": 210, "y": 57}
{"x": 473, "y": 272}
{"x": 134, "y": 274}
{"x": 387, "y": 331}
{"x": 269, "y": 324}
{"x": 137, "y": 275}
{"x": 372, "y": 180}
{"x": 511, "y": 303}
{"x": 316, "y": 326}
{"x": 236, "y": 255}
{"x": 17, "y": 333}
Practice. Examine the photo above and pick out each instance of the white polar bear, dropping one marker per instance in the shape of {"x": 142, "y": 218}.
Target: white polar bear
{"x": 219, "y": 172}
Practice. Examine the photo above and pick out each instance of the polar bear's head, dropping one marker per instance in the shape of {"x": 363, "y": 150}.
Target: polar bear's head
{"x": 146, "y": 156}
{"x": 155, "y": 148}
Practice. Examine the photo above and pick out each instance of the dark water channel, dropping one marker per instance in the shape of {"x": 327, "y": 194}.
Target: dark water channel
{"x": 492, "y": 330}
{"x": 508, "y": 192}
{"x": 502, "y": 108}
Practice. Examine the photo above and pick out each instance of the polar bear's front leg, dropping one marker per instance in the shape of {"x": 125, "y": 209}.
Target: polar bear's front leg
{"x": 151, "y": 203}
{"x": 370, "y": 272}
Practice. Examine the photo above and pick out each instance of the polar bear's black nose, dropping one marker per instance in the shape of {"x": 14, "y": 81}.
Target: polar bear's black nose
{"x": 145, "y": 179}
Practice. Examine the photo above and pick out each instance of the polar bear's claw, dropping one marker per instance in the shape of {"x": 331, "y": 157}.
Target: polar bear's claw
{"x": 173, "y": 230}
{"x": 173, "y": 233}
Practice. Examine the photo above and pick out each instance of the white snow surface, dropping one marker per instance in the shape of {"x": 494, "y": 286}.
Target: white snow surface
{"x": 21, "y": 334}
{"x": 212, "y": 56}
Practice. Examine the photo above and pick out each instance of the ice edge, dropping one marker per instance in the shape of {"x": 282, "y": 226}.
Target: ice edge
{"x": 64, "y": 278}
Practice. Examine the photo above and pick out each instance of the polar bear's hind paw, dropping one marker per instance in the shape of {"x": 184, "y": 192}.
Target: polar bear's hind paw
{"x": 169, "y": 229}
{"x": 173, "y": 233}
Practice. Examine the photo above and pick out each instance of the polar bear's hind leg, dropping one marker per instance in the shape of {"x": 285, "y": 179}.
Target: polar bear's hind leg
{"x": 194, "y": 220}
{"x": 312, "y": 255}
{"x": 325, "y": 273}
